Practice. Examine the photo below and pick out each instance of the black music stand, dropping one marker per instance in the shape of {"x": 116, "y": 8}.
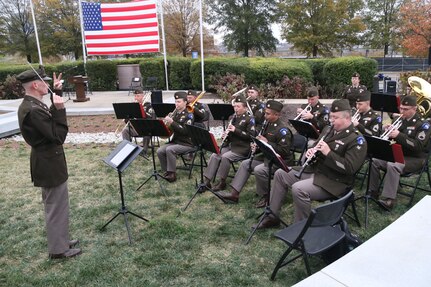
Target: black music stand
{"x": 119, "y": 159}
{"x": 221, "y": 112}
{"x": 162, "y": 110}
{"x": 151, "y": 128}
{"x": 384, "y": 103}
{"x": 384, "y": 150}
{"x": 128, "y": 111}
{"x": 270, "y": 154}
{"x": 203, "y": 140}
{"x": 305, "y": 129}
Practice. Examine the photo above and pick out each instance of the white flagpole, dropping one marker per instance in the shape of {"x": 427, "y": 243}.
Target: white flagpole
{"x": 202, "y": 45}
{"x": 81, "y": 21}
{"x": 164, "y": 44}
{"x": 35, "y": 32}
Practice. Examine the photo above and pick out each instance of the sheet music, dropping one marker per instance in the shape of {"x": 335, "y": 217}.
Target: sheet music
{"x": 122, "y": 154}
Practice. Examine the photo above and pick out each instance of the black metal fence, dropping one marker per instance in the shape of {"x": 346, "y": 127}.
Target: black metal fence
{"x": 402, "y": 64}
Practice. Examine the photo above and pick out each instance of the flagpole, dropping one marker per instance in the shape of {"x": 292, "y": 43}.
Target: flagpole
{"x": 202, "y": 45}
{"x": 35, "y": 33}
{"x": 164, "y": 45}
{"x": 84, "y": 54}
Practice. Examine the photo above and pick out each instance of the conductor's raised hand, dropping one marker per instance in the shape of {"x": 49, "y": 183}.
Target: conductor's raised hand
{"x": 57, "y": 83}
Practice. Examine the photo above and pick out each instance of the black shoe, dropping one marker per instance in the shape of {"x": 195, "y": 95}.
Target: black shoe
{"x": 268, "y": 222}
{"x": 387, "y": 203}
{"x": 227, "y": 197}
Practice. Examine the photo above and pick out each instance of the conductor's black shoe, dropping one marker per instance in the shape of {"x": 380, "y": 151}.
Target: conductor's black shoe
{"x": 73, "y": 243}
{"x": 387, "y": 203}
{"x": 68, "y": 254}
{"x": 228, "y": 197}
{"x": 268, "y": 222}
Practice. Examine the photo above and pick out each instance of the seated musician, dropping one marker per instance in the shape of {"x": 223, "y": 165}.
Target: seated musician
{"x": 257, "y": 107}
{"x": 366, "y": 120}
{"x": 338, "y": 153}
{"x": 200, "y": 113}
{"x": 351, "y": 91}
{"x": 318, "y": 115}
{"x": 181, "y": 141}
{"x": 413, "y": 136}
{"x": 276, "y": 134}
{"x": 235, "y": 145}
{"x": 128, "y": 131}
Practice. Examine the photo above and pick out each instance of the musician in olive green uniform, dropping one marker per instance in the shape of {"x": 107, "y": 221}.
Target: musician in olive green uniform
{"x": 181, "y": 141}
{"x": 276, "y": 134}
{"x": 413, "y": 136}
{"x": 338, "y": 157}
{"x": 318, "y": 116}
{"x": 351, "y": 92}
{"x": 200, "y": 113}
{"x": 368, "y": 121}
{"x": 257, "y": 107}
{"x": 45, "y": 130}
{"x": 235, "y": 145}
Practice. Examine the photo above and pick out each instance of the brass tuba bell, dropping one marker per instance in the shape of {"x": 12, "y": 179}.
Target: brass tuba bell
{"x": 423, "y": 92}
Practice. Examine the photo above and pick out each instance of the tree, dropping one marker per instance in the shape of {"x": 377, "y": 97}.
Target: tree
{"x": 247, "y": 24}
{"x": 381, "y": 20}
{"x": 16, "y": 23}
{"x": 181, "y": 18}
{"x": 318, "y": 27}
{"x": 415, "y": 27}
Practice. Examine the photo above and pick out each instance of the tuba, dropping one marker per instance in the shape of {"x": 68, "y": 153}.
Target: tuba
{"x": 423, "y": 91}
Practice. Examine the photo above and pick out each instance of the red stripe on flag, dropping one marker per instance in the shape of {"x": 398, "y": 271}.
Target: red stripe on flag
{"x": 106, "y": 45}
{"x": 126, "y": 9}
{"x": 129, "y": 26}
{"x": 125, "y": 52}
{"x": 132, "y": 17}
{"x": 125, "y": 35}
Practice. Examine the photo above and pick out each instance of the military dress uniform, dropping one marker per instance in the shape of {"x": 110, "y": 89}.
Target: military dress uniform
{"x": 45, "y": 130}
{"x": 200, "y": 112}
{"x": 235, "y": 147}
{"x": 351, "y": 93}
{"x": 369, "y": 123}
{"x": 320, "y": 114}
{"x": 413, "y": 138}
{"x": 180, "y": 143}
{"x": 329, "y": 176}
{"x": 258, "y": 109}
{"x": 127, "y": 133}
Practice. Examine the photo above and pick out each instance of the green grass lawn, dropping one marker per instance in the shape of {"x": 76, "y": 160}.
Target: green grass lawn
{"x": 203, "y": 246}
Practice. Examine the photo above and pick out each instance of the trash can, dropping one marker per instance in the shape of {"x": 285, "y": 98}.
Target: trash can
{"x": 125, "y": 74}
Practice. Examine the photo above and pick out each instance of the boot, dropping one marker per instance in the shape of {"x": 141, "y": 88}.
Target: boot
{"x": 232, "y": 197}
{"x": 171, "y": 176}
{"x": 220, "y": 186}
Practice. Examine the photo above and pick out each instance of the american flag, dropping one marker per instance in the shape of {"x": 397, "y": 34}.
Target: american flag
{"x": 120, "y": 28}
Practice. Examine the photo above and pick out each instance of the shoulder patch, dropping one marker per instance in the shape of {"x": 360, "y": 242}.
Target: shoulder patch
{"x": 379, "y": 119}
{"x": 326, "y": 110}
{"x": 425, "y": 126}
{"x": 360, "y": 140}
{"x": 283, "y": 131}
{"x": 252, "y": 121}
{"x": 190, "y": 116}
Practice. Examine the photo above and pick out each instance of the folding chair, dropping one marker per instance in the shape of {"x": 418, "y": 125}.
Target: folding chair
{"x": 151, "y": 83}
{"x": 314, "y": 235}
{"x": 190, "y": 165}
{"x": 136, "y": 82}
{"x": 299, "y": 146}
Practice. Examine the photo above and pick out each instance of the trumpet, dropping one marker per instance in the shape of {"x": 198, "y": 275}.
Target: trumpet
{"x": 308, "y": 108}
{"x": 171, "y": 115}
{"x": 190, "y": 107}
{"x": 356, "y": 116}
{"x": 313, "y": 155}
{"x": 393, "y": 127}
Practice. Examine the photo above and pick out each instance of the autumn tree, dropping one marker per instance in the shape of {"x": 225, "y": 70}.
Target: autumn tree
{"x": 246, "y": 23}
{"x": 381, "y": 20}
{"x": 17, "y": 28}
{"x": 318, "y": 27}
{"x": 181, "y": 23}
{"x": 415, "y": 27}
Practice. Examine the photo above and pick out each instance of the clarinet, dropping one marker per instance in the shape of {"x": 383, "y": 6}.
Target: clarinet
{"x": 314, "y": 155}
{"x": 264, "y": 127}
{"x": 232, "y": 122}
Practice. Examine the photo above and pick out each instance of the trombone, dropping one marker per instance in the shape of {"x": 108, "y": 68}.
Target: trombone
{"x": 393, "y": 127}
{"x": 308, "y": 108}
{"x": 190, "y": 107}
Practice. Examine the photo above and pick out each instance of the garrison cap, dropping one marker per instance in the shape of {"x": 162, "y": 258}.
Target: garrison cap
{"x": 409, "y": 101}
{"x": 240, "y": 99}
{"x": 138, "y": 91}
{"x": 340, "y": 105}
{"x": 252, "y": 87}
{"x": 180, "y": 95}
{"x": 274, "y": 105}
{"x": 192, "y": 93}
{"x": 364, "y": 96}
{"x": 312, "y": 92}
{"x": 30, "y": 75}
{"x": 356, "y": 74}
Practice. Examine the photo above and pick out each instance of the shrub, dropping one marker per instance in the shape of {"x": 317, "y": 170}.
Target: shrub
{"x": 153, "y": 67}
{"x": 226, "y": 86}
{"x": 179, "y": 73}
{"x": 286, "y": 88}
{"x": 102, "y": 75}
{"x": 11, "y": 88}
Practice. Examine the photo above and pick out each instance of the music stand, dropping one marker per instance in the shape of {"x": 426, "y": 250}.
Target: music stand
{"x": 384, "y": 103}
{"x": 203, "y": 140}
{"x": 384, "y": 150}
{"x": 119, "y": 159}
{"x": 151, "y": 128}
{"x": 128, "y": 111}
{"x": 162, "y": 109}
{"x": 305, "y": 129}
{"x": 273, "y": 158}
{"x": 221, "y": 112}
